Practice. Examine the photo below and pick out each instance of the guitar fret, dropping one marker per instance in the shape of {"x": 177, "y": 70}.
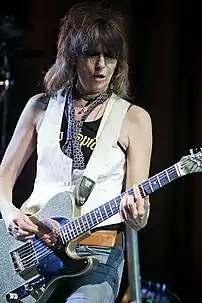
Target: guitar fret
{"x": 109, "y": 209}
{"x": 85, "y": 222}
{"x": 163, "y": 177}
{"x": 62, "y": 235}
{"x": 150, "y": 184}
{"x": 167, "y": 175}
{"x": 74, "y": 227}
{"x": 117, "y": 200}
{"x": 143, "y": 193}
{"x": 103, "y": 211}
{"x": 98, "y": 215}
{"x": 173, "y": 173}
{"x": 114, "y": 206}
{"x": 66, "y": 233}
{"x": 89, "y": 219}
{"x": 71, "y": 230}
{"x": 78, "y": 226}
{"x": 177, "y": 170}
{"x": 99, "y": 209}
{"x": 94, "y": 217}
{"x": 82, "y": 226}
{"x": 159, "y": 181}
{"x": 154, "y": 183}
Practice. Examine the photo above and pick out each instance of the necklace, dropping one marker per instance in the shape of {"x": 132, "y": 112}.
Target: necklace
{"x": 98, "y": 111}
{"x": 82, "y": 110}
{"x": 89, "y": 99}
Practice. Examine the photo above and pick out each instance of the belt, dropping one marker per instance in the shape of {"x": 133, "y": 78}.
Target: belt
{"x": 103, "y": 238}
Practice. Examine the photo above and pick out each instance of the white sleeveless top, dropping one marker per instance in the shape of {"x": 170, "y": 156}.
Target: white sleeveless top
{"x": 54, "y": 168}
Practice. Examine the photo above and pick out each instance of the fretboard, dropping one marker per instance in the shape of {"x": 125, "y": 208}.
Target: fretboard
{"x": 96, "y": 216}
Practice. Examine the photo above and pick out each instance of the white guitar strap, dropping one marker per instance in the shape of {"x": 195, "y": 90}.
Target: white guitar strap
{"x": 107, "y": 136}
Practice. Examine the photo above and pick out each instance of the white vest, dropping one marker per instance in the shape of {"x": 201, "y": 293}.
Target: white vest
{"x": 54, "y": 168}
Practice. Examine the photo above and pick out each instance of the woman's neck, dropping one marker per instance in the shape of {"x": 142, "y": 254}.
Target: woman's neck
{"x": 86, "y": 97}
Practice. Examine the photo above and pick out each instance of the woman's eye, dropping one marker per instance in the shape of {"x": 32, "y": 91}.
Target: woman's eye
{"x": 110, "y": 58}
{"x": 92, "y": 55}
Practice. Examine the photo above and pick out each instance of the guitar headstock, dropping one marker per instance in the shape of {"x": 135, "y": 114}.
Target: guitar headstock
{"x": 191, "y": 163}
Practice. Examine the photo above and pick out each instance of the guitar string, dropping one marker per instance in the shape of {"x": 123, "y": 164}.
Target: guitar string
{"x": 41, "y": 245}
{"x": 70, "y": 232}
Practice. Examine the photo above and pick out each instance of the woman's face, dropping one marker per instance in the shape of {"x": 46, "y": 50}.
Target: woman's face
{"x": 94, "y": 73}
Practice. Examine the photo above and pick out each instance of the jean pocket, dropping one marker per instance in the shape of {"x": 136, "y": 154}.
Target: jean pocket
{"x": 110, "y": 267}
{"x": 114, "y": 268}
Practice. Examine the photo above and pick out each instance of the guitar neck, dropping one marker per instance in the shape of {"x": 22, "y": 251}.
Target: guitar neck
{"x": 98, "y": 215}
{"x": 159, "y": 180}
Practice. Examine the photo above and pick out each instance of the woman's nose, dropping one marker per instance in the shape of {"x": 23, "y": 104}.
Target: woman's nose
{"x": 100, "y": 63}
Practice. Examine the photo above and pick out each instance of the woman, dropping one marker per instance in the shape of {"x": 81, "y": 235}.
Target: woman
{"x": 90, "y": 70}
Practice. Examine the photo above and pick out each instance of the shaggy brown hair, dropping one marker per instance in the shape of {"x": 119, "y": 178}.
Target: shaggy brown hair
{"x": 89, "y": 28}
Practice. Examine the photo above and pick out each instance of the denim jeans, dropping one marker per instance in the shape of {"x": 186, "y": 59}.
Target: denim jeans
{"x": 99, "y": 286}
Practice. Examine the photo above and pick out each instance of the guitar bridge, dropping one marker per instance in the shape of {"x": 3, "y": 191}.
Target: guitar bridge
{"x": 18, "y": 264}
{"x": 24, "y": 257}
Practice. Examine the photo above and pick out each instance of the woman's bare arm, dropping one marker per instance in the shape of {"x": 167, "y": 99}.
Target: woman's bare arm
{"x": 138, "y": 130}
{"x": 19, "y": 150}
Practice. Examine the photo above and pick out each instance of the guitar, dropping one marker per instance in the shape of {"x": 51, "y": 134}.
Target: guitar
{"x": 34, "y": 269}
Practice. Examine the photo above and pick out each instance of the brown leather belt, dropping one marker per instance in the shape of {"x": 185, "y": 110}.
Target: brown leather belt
{"x": 103, "y": 238}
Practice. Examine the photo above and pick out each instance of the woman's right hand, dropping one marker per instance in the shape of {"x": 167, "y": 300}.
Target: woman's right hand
{"x": 22, "y": 227}
{"x": 19, "y": 225}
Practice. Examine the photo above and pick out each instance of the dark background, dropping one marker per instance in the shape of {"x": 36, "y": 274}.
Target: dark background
{"x": 166, "y": 75}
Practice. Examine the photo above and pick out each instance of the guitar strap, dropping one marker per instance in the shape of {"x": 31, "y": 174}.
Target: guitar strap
{"x": 107, "y": 136}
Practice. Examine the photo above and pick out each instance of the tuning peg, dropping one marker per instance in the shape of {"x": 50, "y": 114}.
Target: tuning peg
{"x": 195, "y": 150}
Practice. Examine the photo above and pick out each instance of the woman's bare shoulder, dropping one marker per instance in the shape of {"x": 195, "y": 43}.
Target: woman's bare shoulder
{"x": 39, "y": 101}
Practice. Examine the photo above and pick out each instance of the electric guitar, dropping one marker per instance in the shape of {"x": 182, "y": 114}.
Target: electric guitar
{"x": 31, "y": 271}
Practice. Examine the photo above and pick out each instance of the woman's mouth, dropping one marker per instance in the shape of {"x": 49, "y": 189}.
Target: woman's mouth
{"x": 98, "y": 77}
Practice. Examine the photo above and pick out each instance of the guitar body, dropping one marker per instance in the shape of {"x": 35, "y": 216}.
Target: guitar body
{"x": 33, "y": 270}
{"x": 37, "y": 277}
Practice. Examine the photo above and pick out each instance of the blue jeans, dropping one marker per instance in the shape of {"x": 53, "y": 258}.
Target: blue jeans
{"x": 99, "y": 286}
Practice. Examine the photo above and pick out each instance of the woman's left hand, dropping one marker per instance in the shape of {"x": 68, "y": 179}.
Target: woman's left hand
{"x": 135, "y": 209}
